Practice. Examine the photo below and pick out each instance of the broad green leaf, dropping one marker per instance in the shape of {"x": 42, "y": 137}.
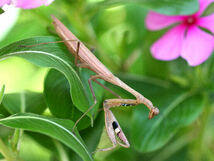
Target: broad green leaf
{"x": 57, "y": 95}
{"x": 169, "y": 7}
{"x": 209, "y": 10}
{"x": 3, "y": 111}
{"x": 24, "y": 102}
{"x": 177, "y": 107}
{"x": 43, "y": 140}
{"x": 91, "y": 136}
{"x": 85, "y": 74}
{"x": 59, "y": 129}
{"x": 50, "y": 55}
{"x": 56, "y": 91}
{"x": 2, "y": 93}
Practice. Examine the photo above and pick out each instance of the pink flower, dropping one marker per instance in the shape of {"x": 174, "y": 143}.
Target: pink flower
{"x": 3, "y": 2}
{"x": 186, "y": 39}
{"x": 26, "y": 4}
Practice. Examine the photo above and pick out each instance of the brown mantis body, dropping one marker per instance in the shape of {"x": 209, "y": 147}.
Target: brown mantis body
{"x": 88, "y": 60}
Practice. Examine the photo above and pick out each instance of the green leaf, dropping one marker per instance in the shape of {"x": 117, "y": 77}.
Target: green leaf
{"x": 50, "y": 55}
{"x": 1, "y": 116}
{"x": 2, "y": 93}
{"x": 56, "y": 91}
{"x": 169, "y": 7}
{"x": 209, "y": 10}
{"x": 177, "y": 109}
{"x": 3, "y": 111}
{"x": 1, "y": 11}
{"x": 91, "y": 136}
{"x": 59, "y": 129}
{"x": 24, "y": 102}
{"x": 43, "y": 140}
{"x": 57, "y": 95}
{"x": 172, "y": 7}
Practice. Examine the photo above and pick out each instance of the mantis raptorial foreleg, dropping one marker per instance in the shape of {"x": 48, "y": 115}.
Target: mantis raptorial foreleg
{"x": 113, "y": 130}
{"x": 127, "y": 102}
{"x": 112, "y": 126}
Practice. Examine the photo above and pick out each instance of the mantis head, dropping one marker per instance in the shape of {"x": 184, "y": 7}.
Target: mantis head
{"x": 153, "y": 112}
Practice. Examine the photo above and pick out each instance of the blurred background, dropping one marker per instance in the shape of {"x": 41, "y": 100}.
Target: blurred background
{"x": 115, "y": 31}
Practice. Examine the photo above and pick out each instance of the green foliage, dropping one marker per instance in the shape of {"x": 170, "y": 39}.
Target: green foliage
{"x": 2, "y": 93}
{"x": 59, "y": 129}
{"x": 1, "y": 11}
{"x": 24, "y": 102}
{"x": 177, "y": 111}
{"x": 50, "y": 56}
{"x": 170, "y": 7}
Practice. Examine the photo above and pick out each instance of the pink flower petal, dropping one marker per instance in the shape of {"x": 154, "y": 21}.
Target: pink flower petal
{"x": 156, "y": 21}
{"x": 207, "y": 22}
{"x": 168, "y": 47}
{"x": 203, "y": 4}
{"x": 3, "y": 2}
{"x": 197, "y": 46}
{"x": 28, "y": 4}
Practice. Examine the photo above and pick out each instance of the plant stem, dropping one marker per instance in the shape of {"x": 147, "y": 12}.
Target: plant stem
{"x": 62, "y": 154}
{"x": 199, "y": 146}
{"x": 15, "y": 142}
{"x": 2, "y": 93}
{"x": 8, "y": 155}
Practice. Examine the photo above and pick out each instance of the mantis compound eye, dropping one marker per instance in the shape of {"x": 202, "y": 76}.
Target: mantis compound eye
{"x": 156, "y": 111}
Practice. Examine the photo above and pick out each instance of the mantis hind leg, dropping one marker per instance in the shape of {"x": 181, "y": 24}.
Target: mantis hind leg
{"x": 94, "y": 98}
{"x": 108, "y": 89}
{"x": 77, "y": 53}
{"x": 94, "y": 77}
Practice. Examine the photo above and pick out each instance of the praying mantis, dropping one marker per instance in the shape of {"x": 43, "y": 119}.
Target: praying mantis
{"x": 88, "y": 60}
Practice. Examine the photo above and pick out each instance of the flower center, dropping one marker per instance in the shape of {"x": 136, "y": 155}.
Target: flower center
{"x": 190, "y": 20}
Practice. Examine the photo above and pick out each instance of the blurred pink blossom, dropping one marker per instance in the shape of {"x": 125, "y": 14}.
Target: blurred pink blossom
{"x": 3, "y": 2}
{"x": 26, "y": 4}
{"x": 186, "y": 39}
